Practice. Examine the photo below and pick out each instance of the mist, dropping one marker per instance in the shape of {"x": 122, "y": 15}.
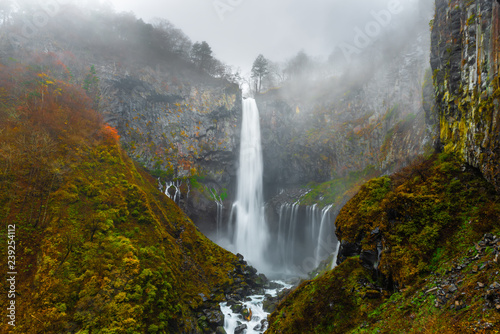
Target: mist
{"x": 240, "y": 30}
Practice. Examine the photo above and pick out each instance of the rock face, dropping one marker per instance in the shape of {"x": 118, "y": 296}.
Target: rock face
{"x": 466, "y": 61}
{"x": 172, "y": 116}
{"x": 180, "y": 124}
{"x": 185, "y": 126}
{"x": 372, "y": 116}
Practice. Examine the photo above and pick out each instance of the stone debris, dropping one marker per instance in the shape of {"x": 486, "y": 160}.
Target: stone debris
{"x": 448, "y": 288}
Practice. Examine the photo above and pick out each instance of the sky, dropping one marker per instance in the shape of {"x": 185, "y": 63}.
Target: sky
{"x": 239, "y": 30}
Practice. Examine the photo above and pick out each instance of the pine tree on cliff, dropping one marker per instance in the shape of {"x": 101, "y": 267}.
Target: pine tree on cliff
{"x": 260, "y": 69}
{"x": 201, "y": 54}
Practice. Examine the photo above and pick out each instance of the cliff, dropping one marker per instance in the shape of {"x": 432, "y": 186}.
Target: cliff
{"x": 369, "y": 115}
{"x": 180, "y": 121}
{"x": 419, "y": 248}
{"x": 94, "y": 244}
{"x": 466, "y": 62}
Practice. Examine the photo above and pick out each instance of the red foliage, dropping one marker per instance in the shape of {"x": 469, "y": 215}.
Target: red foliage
{"x": 38, "y": 100}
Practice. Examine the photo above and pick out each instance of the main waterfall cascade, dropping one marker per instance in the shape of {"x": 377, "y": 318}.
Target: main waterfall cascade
{"x": 290, "y": 244}
{"x": 251, "y": 235}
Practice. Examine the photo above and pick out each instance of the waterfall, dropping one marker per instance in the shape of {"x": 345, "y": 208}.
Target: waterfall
{"x": 287, "y": 234}
{"x": 220, "y": 208}
{"x": 312, "y": 218}
{"x": 251, "y": 233}
{"x": 305, "y": 236}
{"x": 325, "y": 222}
{"x": 176, "y": 197}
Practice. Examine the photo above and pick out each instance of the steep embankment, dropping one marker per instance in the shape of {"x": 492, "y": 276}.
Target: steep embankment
{"x": 420, "y": 249}
{"x": 97, "y": 247}
{"x": 466, "y": 63}
{"x": 174, "y": 115}
{"x": 409, "y": 264}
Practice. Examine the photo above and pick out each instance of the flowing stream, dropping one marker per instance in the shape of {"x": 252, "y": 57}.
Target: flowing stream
{"x": 256, "y": 325}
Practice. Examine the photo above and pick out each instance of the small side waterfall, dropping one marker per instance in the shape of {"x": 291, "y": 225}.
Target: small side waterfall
{"x": 250, "y": 230}
{"x": 176, "y": 197}
{"x": 287, "y": 230}
{"x": 220, "y": 208}
{"x": 304, "y": 238}
{"x": 325, "y": 220}
{"x": 313, "y": 218}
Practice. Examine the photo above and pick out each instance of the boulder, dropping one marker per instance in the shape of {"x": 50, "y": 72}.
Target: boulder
{"x": 241, "y": 329}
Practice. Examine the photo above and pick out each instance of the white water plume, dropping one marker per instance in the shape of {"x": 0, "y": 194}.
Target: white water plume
{"x": 250, "y": 231}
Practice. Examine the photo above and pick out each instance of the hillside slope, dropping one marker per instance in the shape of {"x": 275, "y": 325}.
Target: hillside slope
{"x": 420, "y": 249}
{"x": 174, "y": 116}
{"x": 97, "y": 247}
{"x": 414, "y": 259}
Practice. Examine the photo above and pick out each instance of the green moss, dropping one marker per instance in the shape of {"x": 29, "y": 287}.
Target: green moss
{"x": 338, "y": 293}
{"x": 336, "y": 190}
{"x": 429, "y": 215}
{"x": 107, "y": 251}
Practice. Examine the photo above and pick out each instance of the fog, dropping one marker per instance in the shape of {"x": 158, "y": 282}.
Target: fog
{"x": 239, "y": 30}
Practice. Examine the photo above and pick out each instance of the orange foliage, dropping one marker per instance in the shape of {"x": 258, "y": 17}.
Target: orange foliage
{"x": 111, "y": 133}
{"x": 36, "y": 99}
{"x": 185, "y": 164}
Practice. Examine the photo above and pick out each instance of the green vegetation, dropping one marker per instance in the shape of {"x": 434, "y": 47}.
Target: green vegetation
{"x": 338, "y": 189}
{"x": 427, "y": 217}
{"x": 328, "y": 304}
{"x": 99, "y": 248}
{"x": 428, "y": 205}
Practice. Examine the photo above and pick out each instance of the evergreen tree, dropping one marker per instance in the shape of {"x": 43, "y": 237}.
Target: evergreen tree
{"x": 260, "y": 69}
{"x": 201, "y": 54}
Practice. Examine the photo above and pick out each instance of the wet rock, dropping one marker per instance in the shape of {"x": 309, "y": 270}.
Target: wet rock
{"x": 241, "y": 259}
{"x": 273, "y": 285}
{"x": 236, "y": 308}
{"x": 220, "y": 330}
{"x": 269, "y": 305}
{"x": 247, "y": 314}
{"x": 215, "y": 317}
{"x": 262, "y": 326}
{"x": 241, "y": 329}
{"x": 348, "y": 249}
{"x": 369, "y": 259}
{"x": 495, "y": 286}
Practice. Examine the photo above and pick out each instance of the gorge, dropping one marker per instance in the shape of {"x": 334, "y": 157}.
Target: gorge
{"x": 149, "y": 194}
